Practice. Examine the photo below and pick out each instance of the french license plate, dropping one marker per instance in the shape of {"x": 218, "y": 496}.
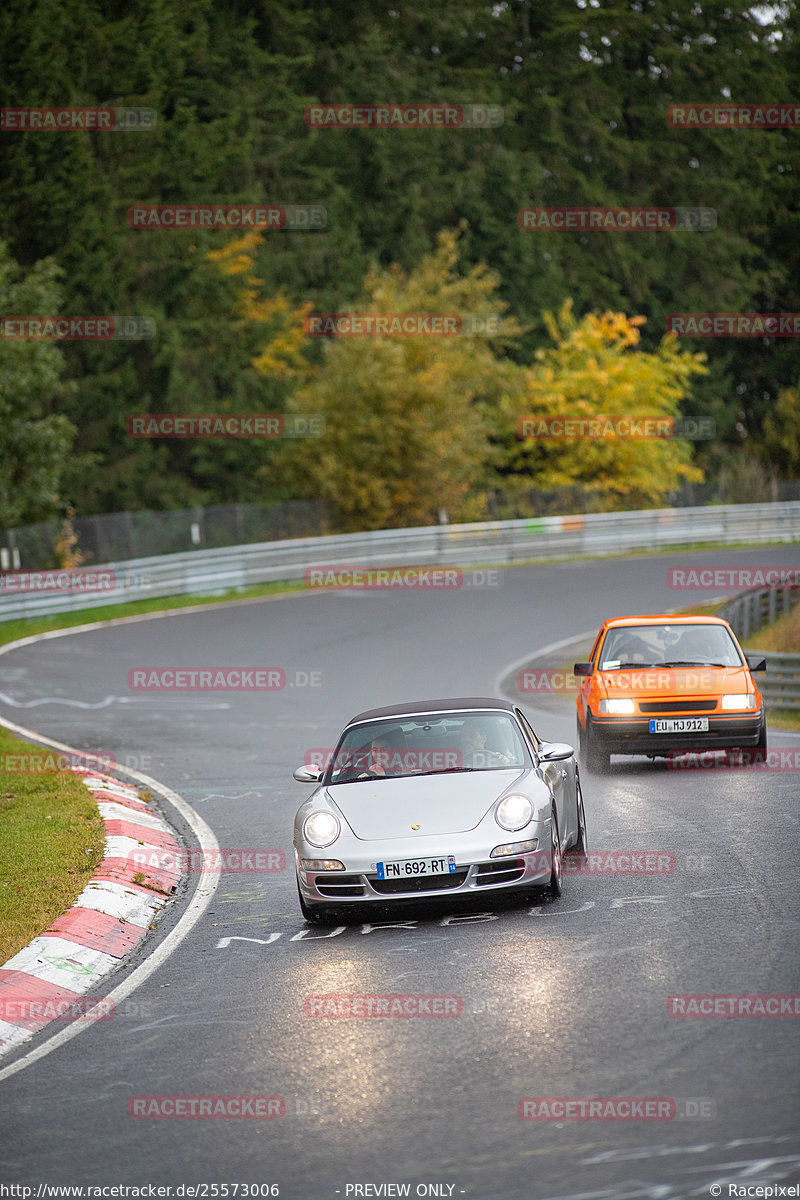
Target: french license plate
{"x": 412, "y": 867}
{"x": 680, "y": 725}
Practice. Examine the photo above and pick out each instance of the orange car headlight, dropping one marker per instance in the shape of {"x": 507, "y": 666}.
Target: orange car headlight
{"x": 747, "y": 701}
{"x": 617, "y": 708}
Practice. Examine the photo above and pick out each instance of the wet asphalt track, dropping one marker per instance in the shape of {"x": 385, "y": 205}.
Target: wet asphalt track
{"x": 560, "y": 1000}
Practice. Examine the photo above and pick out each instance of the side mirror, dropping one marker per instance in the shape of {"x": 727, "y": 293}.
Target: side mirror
{"x": 308, "y": 774}
{"x": 583, "y": 668}
{"x": 555, "y": 752}
{"x": 756, "y": 664}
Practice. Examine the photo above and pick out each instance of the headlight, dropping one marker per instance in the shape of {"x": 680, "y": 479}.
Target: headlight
{"x": 320, "y": 829}
{"x": 514, "y": 848}
{"x": 514, "y": 812}
{"x": 741, "y": 701}
{"x": 617, "y": 708}
{"x": 321, "y": 864}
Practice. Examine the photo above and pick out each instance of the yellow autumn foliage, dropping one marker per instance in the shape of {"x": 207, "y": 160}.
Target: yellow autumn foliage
{"x": 596, "y": 369}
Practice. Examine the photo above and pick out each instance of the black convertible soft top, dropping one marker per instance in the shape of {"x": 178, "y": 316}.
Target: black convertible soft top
{"x": 454, "y": 704}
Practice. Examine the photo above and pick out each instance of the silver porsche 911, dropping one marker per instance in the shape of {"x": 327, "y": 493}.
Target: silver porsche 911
{"x": 436, "y": 799}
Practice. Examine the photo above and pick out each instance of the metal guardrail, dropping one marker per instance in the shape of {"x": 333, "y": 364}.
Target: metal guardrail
{"x": 781, "y": 685}
{"x": 111, "y": 537}
{"x": 143, "y": 533}
{"x": 746, "y": 614}
{"x": 214, "y": 572}
{"x": 751, "y": 610}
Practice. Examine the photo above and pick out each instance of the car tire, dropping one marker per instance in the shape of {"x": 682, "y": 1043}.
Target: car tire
{"x": 597, "y": 758}
{"x": 581, "y": 843}
{"x": 759, "y": 754}
{"x": 315, "y": 914}
{"x": 555, "y": 886}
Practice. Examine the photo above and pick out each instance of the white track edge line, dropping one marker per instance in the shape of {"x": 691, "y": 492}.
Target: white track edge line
{"x": 32, "y": 638}
{"x": 537, "y": 653}
{"x": 206, "y": 887}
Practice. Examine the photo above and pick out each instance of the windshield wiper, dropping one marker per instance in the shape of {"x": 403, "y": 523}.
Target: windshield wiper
{"x": 456, "y": 770}
{"x": 682, "y": 663}
{"x": 440, "y": 771}
{"x": 368, "y": 778}
{"x": 626, "y": 666}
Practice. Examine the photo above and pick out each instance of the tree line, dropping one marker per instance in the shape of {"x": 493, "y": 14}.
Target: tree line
{"x": 416, "y": 220}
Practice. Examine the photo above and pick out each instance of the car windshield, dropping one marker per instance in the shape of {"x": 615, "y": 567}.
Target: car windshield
{"x": 675, "y": 644}
{"x": 428, "y": 744}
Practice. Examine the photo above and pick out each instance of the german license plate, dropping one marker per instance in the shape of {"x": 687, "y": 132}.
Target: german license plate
{"x": 680, "y": 725}
{"x": 411, "y": 868}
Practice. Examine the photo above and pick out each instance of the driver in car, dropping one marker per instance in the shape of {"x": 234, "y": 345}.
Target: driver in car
{"x": 474, "y": 736}
{"x": 375, "y": 758}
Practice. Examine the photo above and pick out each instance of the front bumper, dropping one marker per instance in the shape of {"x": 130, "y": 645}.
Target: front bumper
{"x": 359, "y": 883}
{"x": 633, "y": 736}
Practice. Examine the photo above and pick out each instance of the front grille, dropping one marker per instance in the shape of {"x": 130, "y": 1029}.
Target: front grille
{"x": 340, "y": 885}
{"x": 500, "y": 870}
{"x": 677, "y": 706}
{"x": 420, "y": 883}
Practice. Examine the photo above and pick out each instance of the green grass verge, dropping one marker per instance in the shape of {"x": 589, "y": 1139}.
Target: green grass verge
{"x": 781, "y": 637}
{"x": 51, "y": 839}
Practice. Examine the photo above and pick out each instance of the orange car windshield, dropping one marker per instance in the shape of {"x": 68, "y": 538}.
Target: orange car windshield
{"x": 669, "y": 645}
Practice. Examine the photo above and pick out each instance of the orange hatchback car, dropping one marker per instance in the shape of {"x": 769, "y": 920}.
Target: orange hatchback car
{"x": 664, "y": 685}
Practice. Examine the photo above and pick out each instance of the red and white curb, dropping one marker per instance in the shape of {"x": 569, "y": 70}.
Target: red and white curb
{"x": 48, "y": 980}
